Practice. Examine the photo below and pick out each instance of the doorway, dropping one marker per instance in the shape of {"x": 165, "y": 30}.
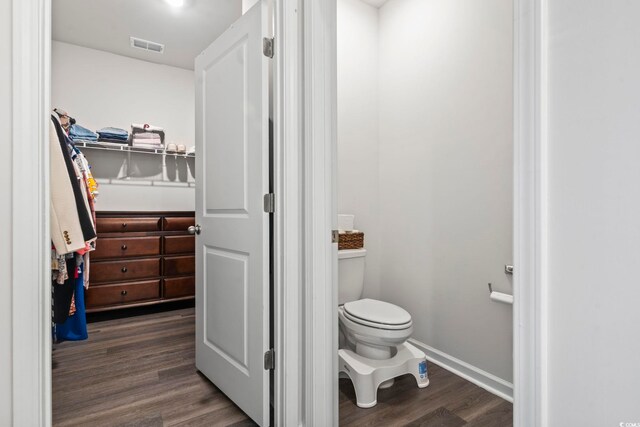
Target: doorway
{"x": 528, "y": 241}
{"x": 151, "y": 195}
{"x": 425, "y": 164}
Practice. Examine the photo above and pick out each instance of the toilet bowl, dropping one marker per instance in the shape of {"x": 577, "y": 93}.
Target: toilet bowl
{"x": 374, "y": 328}
{"x": 373, "y": 347}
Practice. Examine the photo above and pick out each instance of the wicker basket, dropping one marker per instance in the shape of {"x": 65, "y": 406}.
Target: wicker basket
{"x": 351, "y": 240}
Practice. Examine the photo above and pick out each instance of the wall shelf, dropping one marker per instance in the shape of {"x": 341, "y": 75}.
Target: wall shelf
{"x": 133, "y": 181}
{"x": 123, "y": 148}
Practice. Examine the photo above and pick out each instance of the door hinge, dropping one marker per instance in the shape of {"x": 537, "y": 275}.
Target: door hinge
{"x": 335, "y": 236}
{"x": 267, "y": 47}
{"x": 269, "y": 203}
{"x": 269, "y": 360}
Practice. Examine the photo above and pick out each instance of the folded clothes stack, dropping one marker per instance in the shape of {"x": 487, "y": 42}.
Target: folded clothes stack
{"x": 111, "y": 134}
{"x": 147, "y": 140}
{"x": 77, "y": 133}
{"x": 147, "y": 136}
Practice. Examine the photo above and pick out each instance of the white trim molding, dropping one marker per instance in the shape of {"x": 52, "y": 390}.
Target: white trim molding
{"x": 320, "y": 214}
{"x": 288, "y": 231}
{"x": 31, "y": 298}
{"x": 484, "y": 379}
{"x": 530, "y": 213}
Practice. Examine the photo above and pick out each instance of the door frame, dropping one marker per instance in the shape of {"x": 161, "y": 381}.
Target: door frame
{"x": 30, "y": 268}
{"x": 529, "y": 208}
{"x": 305, "y": 335}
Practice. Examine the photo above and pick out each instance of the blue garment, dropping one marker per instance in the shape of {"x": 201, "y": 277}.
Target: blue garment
{"x": 113, "y": 133}
{"x": 77, "y": 132}
{"x": 75, "y": 327}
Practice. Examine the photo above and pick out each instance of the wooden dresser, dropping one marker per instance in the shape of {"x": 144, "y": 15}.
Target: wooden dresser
{"x": 141, "y": 258}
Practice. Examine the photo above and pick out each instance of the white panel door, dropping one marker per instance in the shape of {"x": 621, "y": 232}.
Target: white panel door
{"x": 232, "y": 251}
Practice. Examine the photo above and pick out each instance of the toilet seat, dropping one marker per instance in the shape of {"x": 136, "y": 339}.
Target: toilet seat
{"x": 377, "y": 314}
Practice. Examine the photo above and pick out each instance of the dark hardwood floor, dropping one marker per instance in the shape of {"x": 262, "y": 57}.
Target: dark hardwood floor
{"x": 448, "y": 401}
{"x": 139, "y": 371}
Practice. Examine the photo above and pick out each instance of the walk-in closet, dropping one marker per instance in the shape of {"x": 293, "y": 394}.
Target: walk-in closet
{"x": 123, "y": 168}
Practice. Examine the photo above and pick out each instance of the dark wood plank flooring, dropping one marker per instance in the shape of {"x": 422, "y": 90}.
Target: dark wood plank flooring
{"x": 140, "y": 371}
{"x": 448, "y": 401}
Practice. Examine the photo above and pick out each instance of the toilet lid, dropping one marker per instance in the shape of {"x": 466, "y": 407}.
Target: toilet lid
{"x": 377, "y": 313}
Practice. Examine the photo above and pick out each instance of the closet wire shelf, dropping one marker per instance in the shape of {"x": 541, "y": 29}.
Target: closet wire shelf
{"x": 128, "y": 149}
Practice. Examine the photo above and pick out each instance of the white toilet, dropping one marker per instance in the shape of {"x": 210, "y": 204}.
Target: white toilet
{"x": 373, "y": 334}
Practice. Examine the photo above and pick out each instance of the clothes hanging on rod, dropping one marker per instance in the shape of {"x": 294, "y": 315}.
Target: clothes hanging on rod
{"x": 74, "y": 328}
{"x": 70, "y": 205}
{"x": 73, "y": 231}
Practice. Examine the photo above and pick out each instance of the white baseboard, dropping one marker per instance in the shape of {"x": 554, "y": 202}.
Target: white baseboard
{"x": 487, "y": 381}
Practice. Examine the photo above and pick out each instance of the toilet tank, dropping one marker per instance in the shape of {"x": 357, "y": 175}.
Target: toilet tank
{"x": 350, "y": 274}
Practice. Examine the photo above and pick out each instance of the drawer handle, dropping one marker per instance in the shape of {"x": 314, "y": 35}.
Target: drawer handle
{"x": 124, "y": 247}
{"x": 124, "y": 225}
{"x": 123, "y": 293}
{"x": 124, "y": 269}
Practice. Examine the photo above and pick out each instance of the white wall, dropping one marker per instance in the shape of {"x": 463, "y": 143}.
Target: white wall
{"x": 358, "y": 172}
{"x": 445, "y": 128}
{"x": 102, "y": 89}
{"x": 594, "y": 213}
{"x": 6, "y": 363}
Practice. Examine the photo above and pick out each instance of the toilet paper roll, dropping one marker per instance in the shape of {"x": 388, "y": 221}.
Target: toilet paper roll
{"x": 501, "y": 297}
{"x": 345, "y": 222}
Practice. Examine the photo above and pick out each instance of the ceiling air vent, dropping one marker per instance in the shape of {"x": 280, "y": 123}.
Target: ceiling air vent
{"x": 146, "y": 45}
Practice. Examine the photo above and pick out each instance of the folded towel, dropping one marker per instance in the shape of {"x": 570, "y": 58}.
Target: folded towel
{"x": 148, "y": 146}
{"x": 145, "y": 127}
{"x": 146, "y": 142}
{"x": 135, "y": 140}
{"x": 147, "y": 135}
{"x": 77, "y": 132}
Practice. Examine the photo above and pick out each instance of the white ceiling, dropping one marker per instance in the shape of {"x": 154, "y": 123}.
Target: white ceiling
{"x": 107, "y": 25}
{"x": 375, "y": 3}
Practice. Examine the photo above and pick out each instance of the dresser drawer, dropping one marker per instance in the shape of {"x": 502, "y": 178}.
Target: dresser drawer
{"x": 119, "y": 225}
{"x": 177, "y": 287}
{"x": 116, "y": 271}
{"x": 125, "y": 293}
{"x": 123, "y": 247}
{"x": 179, "y": 265}
{"x": 179, "y": 244}
{"x": 178, "y": 223}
